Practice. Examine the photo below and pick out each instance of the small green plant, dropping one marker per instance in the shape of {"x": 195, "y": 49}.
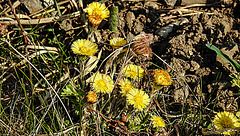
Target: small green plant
{"x": 225, "y": 57}
{"x": 235, "y": 76}
{"x": 235, "y": 80}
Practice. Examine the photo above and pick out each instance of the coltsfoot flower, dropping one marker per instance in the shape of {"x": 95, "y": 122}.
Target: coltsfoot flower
{"x": 125, "y": 86}
{"x": 117, "y": 42}
{"x": 157, "y": 121}
{"x": 96, "y": 13}
{"x": 102, "y": 83}
{"x": 226, "y": 120}
{"x": 133, "y": 71}
{"x": 138, "y": 99}
{"x": 84, "y": 47}
{"x": 92, "y": 97}
{"x": 161, "y": 78}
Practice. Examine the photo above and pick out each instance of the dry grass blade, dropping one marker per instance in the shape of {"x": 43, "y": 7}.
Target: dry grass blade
{"x": 42, "y": 20}
{"x": 92, "y": 63}
{"x": 6, "y": 18}
{"x": 39, "y": 47}
{"x": 164, "y": 62}
{"x": 64, "y": 132}
{"x": 20, "y": 16}
{"x": 32, "y": 56}
{"x": 48, "y": 11}
{"x": 75, "y": 4}
{"x": 32, "y": 21}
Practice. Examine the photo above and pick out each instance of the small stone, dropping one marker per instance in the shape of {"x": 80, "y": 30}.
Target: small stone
{"x": 130, "y": 17}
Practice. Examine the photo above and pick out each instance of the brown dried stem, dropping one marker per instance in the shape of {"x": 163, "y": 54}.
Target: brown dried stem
{"x": 14, "y": 12}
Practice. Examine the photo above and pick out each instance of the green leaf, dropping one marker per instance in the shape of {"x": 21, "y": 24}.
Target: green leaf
{"x": 145, "y": 119}
{"x": 113, "y": 21}
{"x": 69, "y": 91}
{"x": 225, "y": 57}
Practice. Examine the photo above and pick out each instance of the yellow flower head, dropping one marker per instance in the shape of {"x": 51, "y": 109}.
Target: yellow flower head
{"x": 125, "y": 86}
{"x": 157, "y": 121}
{"x": 225, "y": 120}
{"x": 102, "y": 83}
{"x": 161, "y": 78}
{"x": 84, "y": 47}
{"x": 97, "y": 12}
{"x": 133, "y": 71}
{"x": 117, "y": 42}
{"x": 91, "y": 97}
{"x": 138, "y": 99}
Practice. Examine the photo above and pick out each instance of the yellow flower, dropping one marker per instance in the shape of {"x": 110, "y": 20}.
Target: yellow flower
{"x": 157, "y": 121}
{"x": 97, "y": 12}
{"x": 138, "y": 99}
{"x": 161, "y": 78}
{"x": 84, "y": 47}
{"x": 117, "y": 42}
{"x": 102, "y": 83}
{"x": 226, "y": 120}
{"x": 91, "y": 97}
{"x": 133, "y": 71}
{"x": 125, "y": 86}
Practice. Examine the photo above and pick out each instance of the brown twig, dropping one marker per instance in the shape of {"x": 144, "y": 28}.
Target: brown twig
{"x": 22, "y": 30}
{"x": 102, "y": 117}
{"x": 98, "y": 113}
